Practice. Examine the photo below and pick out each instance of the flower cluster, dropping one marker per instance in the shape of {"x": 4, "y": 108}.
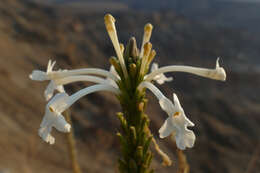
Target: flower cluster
{"x": 124, "y": 70}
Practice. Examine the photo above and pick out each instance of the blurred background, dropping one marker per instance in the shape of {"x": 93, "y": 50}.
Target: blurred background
{"x": 72, "y": 32}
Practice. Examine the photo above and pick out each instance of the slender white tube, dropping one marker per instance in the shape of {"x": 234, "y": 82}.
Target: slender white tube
{"x": 81, "y": 93}
{"x": 78, "y": 78}
{"x": 94, "y": 71}
{"x": 217, "y": 74}
{"x": 152, "y": 88}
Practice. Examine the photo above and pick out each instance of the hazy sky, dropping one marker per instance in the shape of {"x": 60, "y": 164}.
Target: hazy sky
{"x": 241, "y": 0}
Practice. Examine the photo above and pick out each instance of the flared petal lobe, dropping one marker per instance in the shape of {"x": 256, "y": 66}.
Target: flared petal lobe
{"x": 160, "y": 78}
{"x": 167, "y": 128}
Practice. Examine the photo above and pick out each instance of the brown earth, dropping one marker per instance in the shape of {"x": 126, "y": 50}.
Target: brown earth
{"x": 226, "y": 114}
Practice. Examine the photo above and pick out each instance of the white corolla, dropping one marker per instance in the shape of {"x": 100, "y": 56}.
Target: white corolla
{"x": 53, "y": 118}
{"x": 176, "y": 123}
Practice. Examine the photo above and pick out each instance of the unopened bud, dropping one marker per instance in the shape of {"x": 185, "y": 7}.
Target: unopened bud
{"x": 148, "y": 28}
{"x": 151, "y": 56}
{"x": 146, "y": 38}
{"x": 131, "y": 50}
{"x": 147, "y": 49}
{"x": 109, "y": 22}
{"x": 113, "y": 61}
{"x": 122, "y": 48}
{"x": 141, "y": 106}
{"x": 132, "y": 69}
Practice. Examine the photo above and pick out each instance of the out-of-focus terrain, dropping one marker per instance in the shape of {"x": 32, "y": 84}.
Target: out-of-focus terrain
{"x": 226, "y": 114}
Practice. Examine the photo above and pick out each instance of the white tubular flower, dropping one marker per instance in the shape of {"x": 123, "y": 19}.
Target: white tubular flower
{"x": 57, "y": 84}
{"x": 218, "y": 73}
{"x": 53, "y": 118}
{"x": 58, "y": 104}
{"x": 51, "y": 75}
{"x": 160, "y": 78}
{"x": 176, "y": 123}
{"x": 111, "y": 29}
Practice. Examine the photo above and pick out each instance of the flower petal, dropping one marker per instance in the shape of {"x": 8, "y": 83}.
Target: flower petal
{"x": 50, "y": 66}
{"x": 38, "y": 75}
{"x": 45, "y": 134}
{"x": 48, "y": 93}
{"x": 176, "y": 101}
{"x": 61, "y": 124}
{"x": 167, "y": 128}
{"x": 60, "y": 88}
{"x": 160, "y": 78}
{"x": 185, "y": 138}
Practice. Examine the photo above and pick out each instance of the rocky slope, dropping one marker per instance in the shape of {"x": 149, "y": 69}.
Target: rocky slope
{"x": 226, "y": 114}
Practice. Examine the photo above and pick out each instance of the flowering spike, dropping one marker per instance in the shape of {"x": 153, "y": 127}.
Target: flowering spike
{"x": 130, "y": 91}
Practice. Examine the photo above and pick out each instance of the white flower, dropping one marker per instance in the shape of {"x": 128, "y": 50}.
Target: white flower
{"x": 217, "y": 74}
{"x": 160, "y": 78}
{"x": 54, "y": 118}
{"x": 51, "y": 75}
{"x": 176, "y": 123}
{"x": 63, "y": 77}
{"x": 58, "y": 104}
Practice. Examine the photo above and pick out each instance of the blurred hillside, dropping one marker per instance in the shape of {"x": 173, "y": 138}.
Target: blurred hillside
{"x": 239, "y": 14}
{"x": 226, "y": 114}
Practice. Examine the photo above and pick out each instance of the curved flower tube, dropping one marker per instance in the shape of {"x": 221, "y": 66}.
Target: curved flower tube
{"x": 39, "y": 75}
{"x": 218, "y": 73}
{"x": 57, "y": 84}
{"x": 58, "y": 104}
{"x": 177, "y": 122}
{"x": 83, "y": 92}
